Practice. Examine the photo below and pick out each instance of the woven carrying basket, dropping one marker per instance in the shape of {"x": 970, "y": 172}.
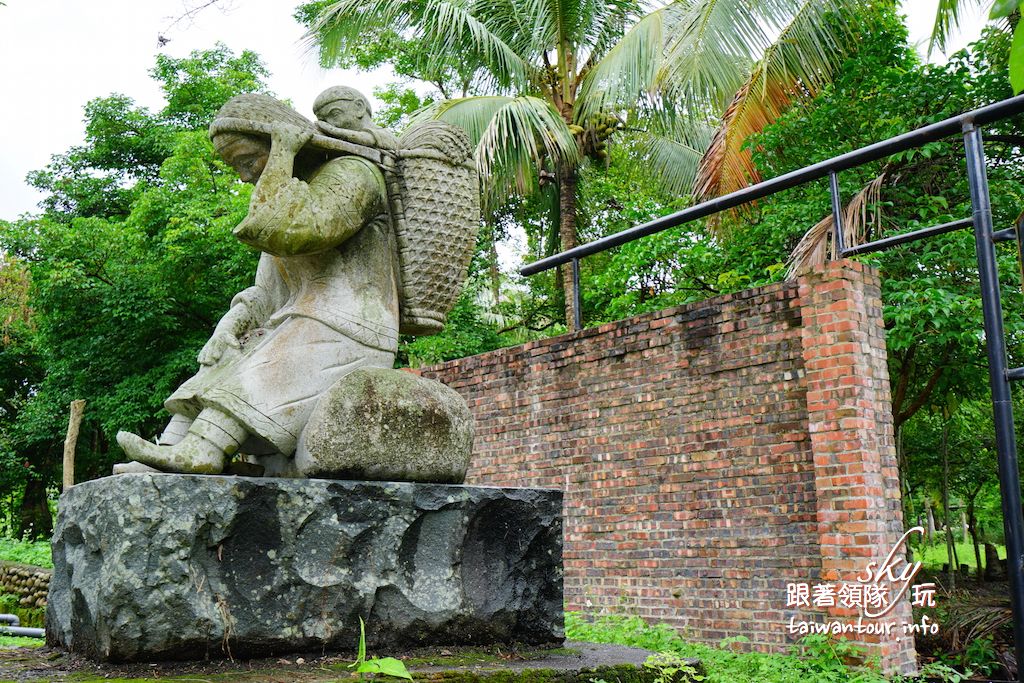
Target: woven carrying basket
{"x": 435, "y": 203}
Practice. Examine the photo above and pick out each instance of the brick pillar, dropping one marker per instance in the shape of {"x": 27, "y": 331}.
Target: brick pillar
{"x": 850, "y": 420}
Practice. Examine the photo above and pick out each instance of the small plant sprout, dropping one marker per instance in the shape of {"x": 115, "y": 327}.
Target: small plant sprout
{"x": 387, "y": 666}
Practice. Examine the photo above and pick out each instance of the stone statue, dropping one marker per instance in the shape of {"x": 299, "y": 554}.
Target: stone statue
{"x": 362, "y": 236}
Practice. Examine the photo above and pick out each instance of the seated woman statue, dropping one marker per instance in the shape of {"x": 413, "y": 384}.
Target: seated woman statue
{"x": 325, "y": 301}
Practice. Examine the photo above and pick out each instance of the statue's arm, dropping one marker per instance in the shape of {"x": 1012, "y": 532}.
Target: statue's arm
{"x": 288, "y": 216}
{"x": 250, "y": 309}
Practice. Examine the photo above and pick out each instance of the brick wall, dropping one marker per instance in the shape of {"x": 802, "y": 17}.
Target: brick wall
{"x": 710, "y": 453}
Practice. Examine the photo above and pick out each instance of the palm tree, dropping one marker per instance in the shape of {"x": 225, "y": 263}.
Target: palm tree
{"x": 1007, "y": 14}
{"x": 563, "y": 76}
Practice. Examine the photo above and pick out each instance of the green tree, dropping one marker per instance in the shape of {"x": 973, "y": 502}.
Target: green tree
{"x": 930, "y": 288}
{"x": 1005, "y": 13}
{"x": 127, "y": 270}
{"x": 563, "y": 77}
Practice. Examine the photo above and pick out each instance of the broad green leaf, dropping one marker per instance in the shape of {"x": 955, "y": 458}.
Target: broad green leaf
{"x": 389, "y": 666}
{"x": 1016, "y": 64}
{"x": 1002, "y": 8}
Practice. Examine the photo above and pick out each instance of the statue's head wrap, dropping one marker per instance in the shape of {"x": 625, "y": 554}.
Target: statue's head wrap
{"x": 252, "y": 115}
{"x": 341, "y": 93}
{"x": 254, "y": 109}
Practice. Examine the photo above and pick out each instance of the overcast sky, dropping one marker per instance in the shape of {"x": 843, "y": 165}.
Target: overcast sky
{"x": 56, "y": 55}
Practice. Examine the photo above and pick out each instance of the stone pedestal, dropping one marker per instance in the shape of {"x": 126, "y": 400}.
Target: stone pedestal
{"x": 162, "y": 566}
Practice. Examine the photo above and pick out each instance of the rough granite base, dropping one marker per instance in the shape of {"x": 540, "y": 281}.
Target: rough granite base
{"x": 150, "y": 567}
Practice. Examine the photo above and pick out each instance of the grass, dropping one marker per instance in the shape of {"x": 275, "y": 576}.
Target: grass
{"x": 18, "y": 641}
{"x": 36, "y": 553}
{"x": 815, "y": 659}
{"x": 934, "y": 555}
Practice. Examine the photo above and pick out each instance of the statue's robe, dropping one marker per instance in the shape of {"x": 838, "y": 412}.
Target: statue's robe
{"x": 325, "y": 302}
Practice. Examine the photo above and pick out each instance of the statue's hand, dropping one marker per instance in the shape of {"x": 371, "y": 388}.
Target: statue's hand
{"x": 220, "y": 344}
{"x": 289, "y": 137}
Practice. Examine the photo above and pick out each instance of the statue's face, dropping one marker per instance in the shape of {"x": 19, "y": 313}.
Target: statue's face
{"x": 246, "y": 154}
{"x": 344, "y": 113}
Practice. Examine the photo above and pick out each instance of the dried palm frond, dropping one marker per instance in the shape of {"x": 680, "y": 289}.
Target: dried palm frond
{"x": 775, "y": 82}
{"x": 863, "y": 213}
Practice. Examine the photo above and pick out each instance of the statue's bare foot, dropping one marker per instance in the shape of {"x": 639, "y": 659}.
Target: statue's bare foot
{"x": 133, "y": 467}
{"x": 192, "y": 455}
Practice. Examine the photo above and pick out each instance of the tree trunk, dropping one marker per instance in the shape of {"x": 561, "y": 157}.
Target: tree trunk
{"x": 972, "y": 525}
{"x": 35, "y": 512}
{"x": 71, "y": 442}
{"x": 908, "y": 499}
{"x": 993, "y": 565}
{"x": 950, "y": 548}
{"x": 494, "y": 271}
{"x": 567, "y": 233}
{"x": 931, "y": 519}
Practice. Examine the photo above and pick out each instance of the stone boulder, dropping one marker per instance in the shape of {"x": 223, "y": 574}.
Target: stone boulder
{"x": 387, "y": 425}
{"x": 150, "y": 567}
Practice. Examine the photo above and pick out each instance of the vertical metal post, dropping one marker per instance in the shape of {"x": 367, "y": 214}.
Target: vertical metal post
{"x": 1020, "y": 250}
{"x": 577, "y": 313}
{"x": 837, "y": 213}
{"x": 1006, "y": 446}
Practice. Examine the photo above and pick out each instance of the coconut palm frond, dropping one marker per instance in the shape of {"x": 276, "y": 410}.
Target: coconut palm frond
{"x": 863, "y": 213}
{"x": 628, "y": 70}
{"x": 472, "y": 114}
{"x": 448, "y": 25}
{"x": 947, "y": 18}
{"x": 514, "y": 137}
{"x": 673, "y": 162}
{"x": 711, "y": 57}
{"x": 790, "y": 69}
{"x": 607, "y": 27}
{"x": 710, "y": 51}
{"x": 521, "y": 136}
{"x": 673, "y": 148}
{"x": 727, "y": 165}
{"x": 508, "y": 20}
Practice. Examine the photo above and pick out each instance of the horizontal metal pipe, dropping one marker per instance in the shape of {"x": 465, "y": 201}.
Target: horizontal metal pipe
{"x": 22, "y": 631}
{"x": 886, "y": 243}
{"x": 879, "y": 150}
{"x": 10, "y": 619}
{"x": 1005, "y": 235}
{"x": 1015, "y": 373}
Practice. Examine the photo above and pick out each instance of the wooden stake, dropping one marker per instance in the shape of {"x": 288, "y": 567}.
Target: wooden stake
{"x": 75, "y": 421}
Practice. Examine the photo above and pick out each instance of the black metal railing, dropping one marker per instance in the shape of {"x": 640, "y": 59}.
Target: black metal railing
{"x": 969, "y": 126}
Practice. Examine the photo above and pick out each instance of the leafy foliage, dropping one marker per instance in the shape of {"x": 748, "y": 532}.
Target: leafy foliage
{"x": 815, "y": 658}
{"x": 932, "y": 298}
{"x": 36, "y": 553}
{"x": 125, "y": 272}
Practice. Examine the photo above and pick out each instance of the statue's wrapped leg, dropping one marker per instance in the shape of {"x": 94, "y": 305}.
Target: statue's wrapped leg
{"x": 211, "y": 438}
{"x": 175, "y": 430}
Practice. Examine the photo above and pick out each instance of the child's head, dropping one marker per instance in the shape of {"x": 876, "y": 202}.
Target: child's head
{"x": 343, "y": 107}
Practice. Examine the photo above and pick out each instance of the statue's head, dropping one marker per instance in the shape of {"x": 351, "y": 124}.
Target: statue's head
{"x": 247, "y": 154}
{"x": 232, "y": 131}
{"x": 343, "y": 107}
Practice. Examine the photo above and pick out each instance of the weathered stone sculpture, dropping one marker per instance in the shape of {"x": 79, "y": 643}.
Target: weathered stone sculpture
{"x": 362, "y": 237}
